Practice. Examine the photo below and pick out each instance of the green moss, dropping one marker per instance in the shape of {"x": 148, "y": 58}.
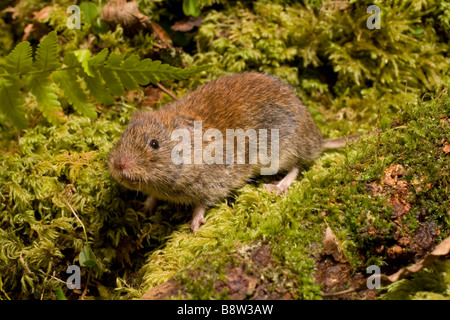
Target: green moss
{"x": 352, "y": 79}
{"x": 342, "y": 70}
{"x": 39, "y": 234}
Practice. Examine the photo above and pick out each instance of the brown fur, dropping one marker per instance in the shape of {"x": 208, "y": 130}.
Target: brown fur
{"x": 246, "y": 101}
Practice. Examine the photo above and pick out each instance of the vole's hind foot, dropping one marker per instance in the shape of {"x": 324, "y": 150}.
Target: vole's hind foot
{"x": 150, "y": 205}
{"x": 275, "y": 187}
{"x": 197, "y": 218}
{"x": 283, "y": 185}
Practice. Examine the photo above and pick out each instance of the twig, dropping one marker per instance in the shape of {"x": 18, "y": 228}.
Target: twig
{"x": 59, "y": 280}
{"x": 83, "y": 295}
{"x": 126, "y": 284}
{"x": 25, "y": 265}
{"x": 174, "y": 97}
{"x": 79, "y": 220}
{"x": 331, "y": 294}
{"x": 142, "y": 237}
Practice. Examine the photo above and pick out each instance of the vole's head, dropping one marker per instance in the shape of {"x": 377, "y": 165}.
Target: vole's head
{"x": 142, "y": 157}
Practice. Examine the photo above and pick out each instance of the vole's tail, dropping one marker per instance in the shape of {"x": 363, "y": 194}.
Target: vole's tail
{"x": 339, "y": 142}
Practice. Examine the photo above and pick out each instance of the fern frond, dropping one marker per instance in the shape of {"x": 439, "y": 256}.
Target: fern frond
{"x": 97, "y": 88}
{"x": 112, "y": 81}
{"x": 104, "y": 76}
{"x": 40, "y": 84}
{"x": 67, "y": 80}
{"x": 131, "y": 72}
{"x": 83, "y": 57}
{"x": 47, "y": 53}
{"x": 99, "y": 59}
{"x": 148, "y": 71}
{"x": 157, "y": 71}
{"x": 122, "y": 71}
{"x": 132, "y": 65}
{"x": 41, "y": 87}
{"x": 19, "y": 60}
{"x": 12, "y": 101}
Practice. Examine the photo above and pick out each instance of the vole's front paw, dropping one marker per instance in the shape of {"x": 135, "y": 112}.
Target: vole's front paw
{"x": 197, "y": 218}
{"x": 195, "y": 224}
{"x": 150, "y": 205}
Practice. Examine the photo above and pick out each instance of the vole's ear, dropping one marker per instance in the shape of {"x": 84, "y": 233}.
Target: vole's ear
{"x": 184, "y": 127}
{"x": 184, "y": 123}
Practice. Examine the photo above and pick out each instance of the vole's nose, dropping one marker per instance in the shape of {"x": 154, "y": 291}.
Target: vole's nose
{"x": 121, "y": 163}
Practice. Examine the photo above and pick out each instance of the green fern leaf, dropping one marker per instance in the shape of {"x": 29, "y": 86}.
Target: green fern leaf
{"x": 98, "y": 89}
{"x": 132, "y": 64}
{"x": 104, "y": 75}
{"x": 19, "y": 60}
{"x": 115, "y": 63}
{"x": 41, "y": 87}
{"x": 95, "y": 84}
{"x": 71, "y": 61}
{"x": 119, "y": 73}
{"x": 127, "y": 80}
{"x": 67, "y": 80}
{"x": 47, "y": 53}
{"x": 131, "y": 72}
{"x": 112, "y": 81}
{"x": 99, "y": 59}
{"x": 12, "y": 101}
{"x": 109, "y": 73}
{"x": 83, "y": 57}
{"x": 172, "y": 73}
{"x": 115, "y": 60}
{"x": 151, "y": 70}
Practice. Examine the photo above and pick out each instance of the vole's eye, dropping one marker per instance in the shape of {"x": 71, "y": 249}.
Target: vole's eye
{"x": 154, "y": 144}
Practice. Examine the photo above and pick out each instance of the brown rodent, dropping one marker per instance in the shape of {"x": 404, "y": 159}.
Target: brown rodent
{"x": 144, "y": 160}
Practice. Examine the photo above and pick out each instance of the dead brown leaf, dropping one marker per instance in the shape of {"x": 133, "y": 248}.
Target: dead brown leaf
{"x": 399, "y": 204}
{"x": 187, "y": 24}
{"x": 166, "y": 289}
{"x": 334, "y": 5}
{"x": 446, "y": 148}
{"x": 440, "y": 250}
{"x": 239, "y": 284}
{"x": 39, "y": 17}
{"x": 395, "y": 251}
{"x": 13, "y": 10}
{"x": 445, "y": 121}
{"x": 127, "y": 14}
{"x": 375, "y": 187}
{"x": 331, "y": 246}
{"x": 122, "y": 12}
{"x": 27, "y": 31}
{"x": 160, "y": 32}
{"x": 43, "y": 14}
{"x": 151, "y": 97}
{"x": 397, "y": 189}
